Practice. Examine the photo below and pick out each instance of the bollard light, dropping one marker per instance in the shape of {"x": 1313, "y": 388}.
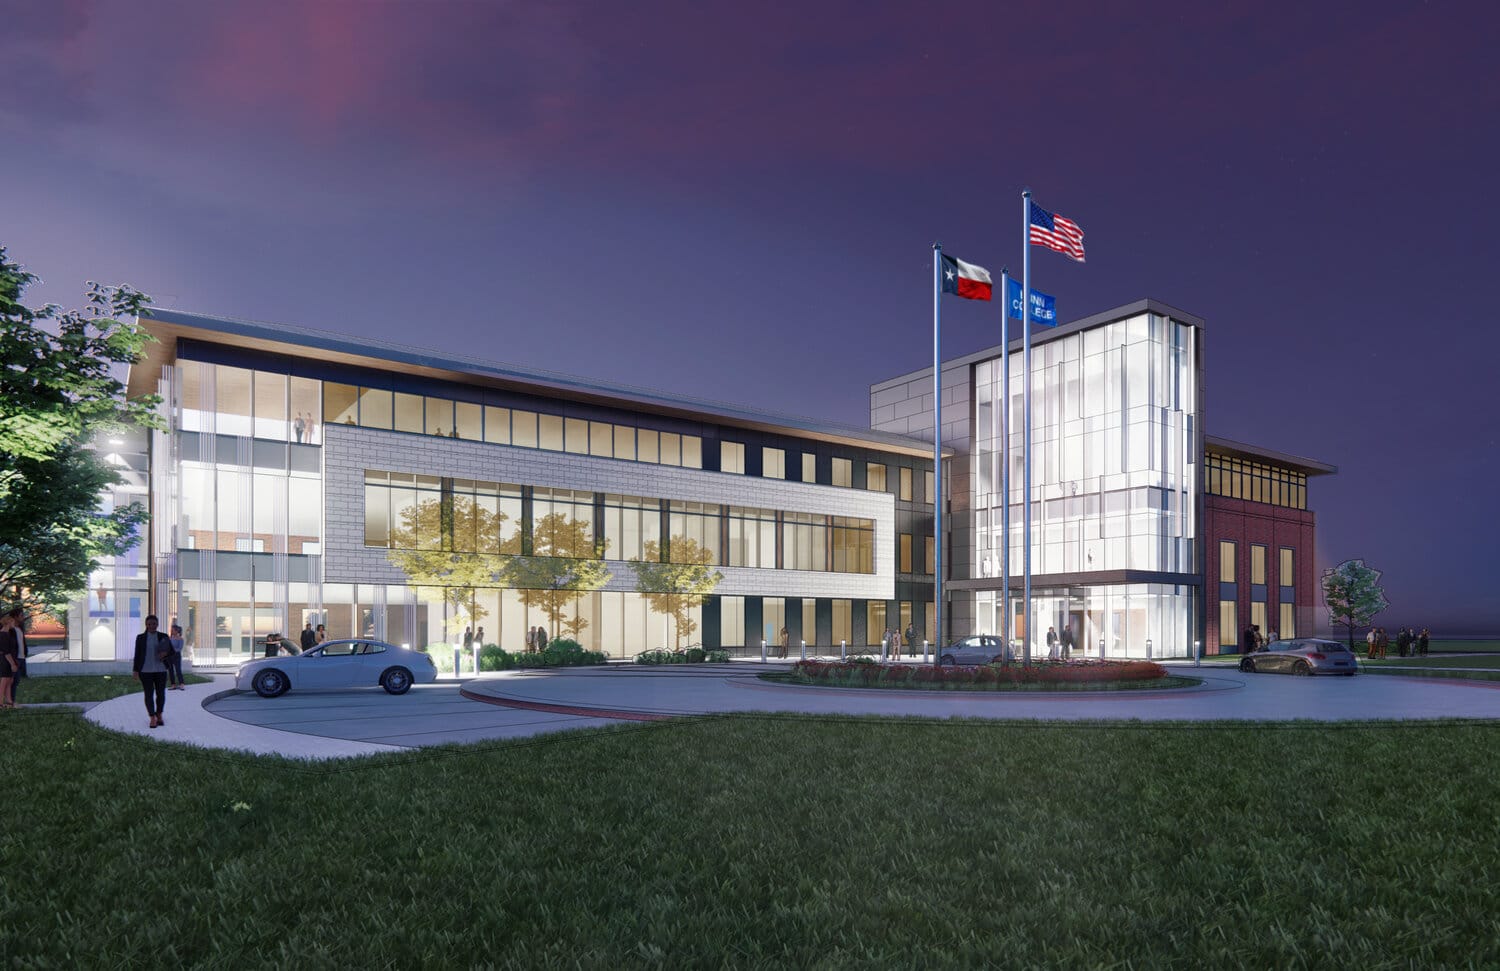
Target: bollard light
{"x": 763, "y": 650}
{"x": 1148, "y": 648}
{"x": 1101, "y": 647}
{"x": 804, "y": 649}
{"x": 1197, "y": 653}
{"x": 843, "y": 651}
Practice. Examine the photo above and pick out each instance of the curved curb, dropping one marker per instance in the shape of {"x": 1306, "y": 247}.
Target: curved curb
{"x": 504, "y": 702}
{"x": 755, "y": 682}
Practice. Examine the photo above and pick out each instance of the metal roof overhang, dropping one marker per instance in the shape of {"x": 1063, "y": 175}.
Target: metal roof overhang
{"x": 170, "y": 326}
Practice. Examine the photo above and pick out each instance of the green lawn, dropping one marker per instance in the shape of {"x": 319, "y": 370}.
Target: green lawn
{"x": 83, "y": 687}
{"x": 765, "y": 842}
{"x": 1465, "y": 661}
{"x": 1420, "y": 672}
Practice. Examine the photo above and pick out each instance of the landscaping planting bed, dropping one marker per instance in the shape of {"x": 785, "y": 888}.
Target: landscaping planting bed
{"x": 1083, "y": 675}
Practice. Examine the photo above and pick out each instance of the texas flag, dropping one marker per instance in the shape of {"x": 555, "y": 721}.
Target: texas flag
{"x": 965, "y": 279}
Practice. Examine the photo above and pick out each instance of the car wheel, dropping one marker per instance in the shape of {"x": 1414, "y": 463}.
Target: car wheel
{"x": 270, "y": 683}
{"x": 949, "y": 659}
{"x": 396, "y": 681}
{"x": 1302, "y": 668}
{"x": 1247, "y": 665}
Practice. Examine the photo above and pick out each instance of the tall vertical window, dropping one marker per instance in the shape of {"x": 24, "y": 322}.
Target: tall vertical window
{"x": 875, "y": 477}
{"x": 562, "y": 523}
{"x": 630, "y": 522}
{"x": 1226, "y": 561}
{"x": 731, "y": 621}
{"x": 1258, "y": 616}
{"x": 732, "y": 457}
{"x": 697, "y": 521}
{"x": 843, "y": 623}
{"x": 1288, "y": 628}
{"x": 927, "y": 495}
{"x": 843, "y": 472}
{"x": 809, "y": 467}
{"x": 1257, "y": 564}
{"x": 928, "y": 559}
{"x": 905, "y": 553}
{"x": 602, "y": 439}
{"x": 1287, "y": 576}
{"x": 440, "y": 417}
{"x": 853, "y": 545}
{"x": 752, "y": 537}
{"x": 409, "y": 413}
{"x": 905, "y": 492}
{"x": 805, "y": 537}
{"x": 773, "y": 463}
{"x": 810, "y": 621}
{"x": 874, "y": 621}
{"x": 1229, "y": 628}
{"x": 340, "y": 404}
{"x": 375, "y": 408}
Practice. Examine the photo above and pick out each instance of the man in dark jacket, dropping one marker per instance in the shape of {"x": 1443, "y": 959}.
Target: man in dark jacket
{"x": 1403, "y": 641}
{"x": 1247, "y": 641}
{"x": 309, "y": 637}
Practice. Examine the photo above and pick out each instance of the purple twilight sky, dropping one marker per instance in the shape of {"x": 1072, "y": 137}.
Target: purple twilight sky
{"x": 736, "y": 201}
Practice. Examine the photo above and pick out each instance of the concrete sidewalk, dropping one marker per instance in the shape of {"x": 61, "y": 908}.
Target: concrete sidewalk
{"x": 188, "y": 722}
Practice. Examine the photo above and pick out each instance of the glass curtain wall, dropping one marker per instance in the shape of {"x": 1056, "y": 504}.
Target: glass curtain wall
{"x": 1114, "y": 469}
{"x": 1137, "y": 620}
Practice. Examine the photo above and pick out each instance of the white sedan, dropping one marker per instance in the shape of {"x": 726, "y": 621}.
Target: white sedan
{"x": 355, "y": 663}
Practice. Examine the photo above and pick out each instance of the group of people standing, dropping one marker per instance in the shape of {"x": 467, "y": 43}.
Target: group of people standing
{"x": 536, "y": 639}
{"x": 1409, "y": 643}
{"x": 1060, "y": 646}
{"x": 302, "y": 427}
{"x": 12, "y": 654}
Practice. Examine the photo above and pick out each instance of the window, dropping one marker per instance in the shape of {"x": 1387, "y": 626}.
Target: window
{"x": 1229, "y": 628}
{"x": 648, "y": 445}
{"x": 671, "y": 448}
{"x": 805, "y": 537}
{"x": 523, "y": 428}
{"x": 439, "y": 417}
{"x": 874, "y": 621}
{"x": 562, "y": 523}
{"x": 843, "y": 623}
{"x": 1258, "y": 566}
{"x": 374, "y": 408}
{"x": 468, "y": 420}
{"x": 809, "y": 621}
{"x": 809, "y": 467}
{"x": 905, "y": 492}
{"x": 853, "y": 545}
{"x": 696, "y": 521}
{"x": 928, "y": 495}
{"x": 1226, "y": 561}
{"x": 550, "y": 432}
{"x": 409, "y": 413}
{"x": 576, "y": 436}
{"x": 875, "y": 477}
{"x": 340, "y": 403}
{"x": 752, "y": 537}
{"x": 630, "y": 522}
{"x": 843, "y": 472}
{"x": 1287, "y": 575}
{"x": 692, "y": 452}
{"x": 928, "y": 559}
{"x": 625, "y": 442}
{"x": 602, "y": 439}
{"x": 270, "y": 406}
{"x": 732, "y": 457}
{"x": 773, "y": 463}
{"x": 1288, "y": 628}
{"x": 731, "y": 621}
{"x": 497, "y": 425}
{"x": 905, "y": 554}
{"x": 1258, "y": 616}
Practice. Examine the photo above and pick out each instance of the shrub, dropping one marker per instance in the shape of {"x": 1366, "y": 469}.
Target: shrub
{"x": 492, "y": 657}
{"x": 561, "y": 653}
{"x": 860, "y": 672}
{"x": 716, "y": 656}
{"x": 442, "y": 657}
{"x": 659, "y": 657}
{"x": 695, "y": 655}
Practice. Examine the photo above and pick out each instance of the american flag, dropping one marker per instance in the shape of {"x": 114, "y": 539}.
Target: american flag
{"x": 1056, "y": 233}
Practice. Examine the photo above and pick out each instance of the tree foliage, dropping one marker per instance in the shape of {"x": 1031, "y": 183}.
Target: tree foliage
{"x": 1352, "y": 593}
{"x": 447, "y": 575}
{"x": 58, "y": 387}
{"x": 674, "y": 589}
{"x": 564, "y": 562}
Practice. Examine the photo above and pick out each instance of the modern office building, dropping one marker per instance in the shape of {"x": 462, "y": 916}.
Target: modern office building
{"x": 1127, "y": 491}
{"x": 296, "y": 471}
{"x": 302, "y": 476}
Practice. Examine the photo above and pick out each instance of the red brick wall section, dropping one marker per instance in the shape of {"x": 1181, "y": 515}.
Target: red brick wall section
{"x": 1246, "y": 524}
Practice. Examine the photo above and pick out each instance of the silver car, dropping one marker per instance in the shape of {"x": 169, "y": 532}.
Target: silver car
{"x": 1302, "y": 655}
{"x": 355, "y": 663}
{"x": 979, "y": 649}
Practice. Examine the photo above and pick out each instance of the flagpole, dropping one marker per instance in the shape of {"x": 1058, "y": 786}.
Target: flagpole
{"x": 1002, "y": 459}
{"x": 1026, "y": 395}
{"x": 937, "y": 452}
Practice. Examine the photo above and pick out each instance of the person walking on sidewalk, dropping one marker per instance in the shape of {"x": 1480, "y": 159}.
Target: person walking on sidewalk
{"x": 174, "y": 663}
{"x": 149, "y": 667}
{"x": 18, "y": 627}
{"x": 9, "y": 663}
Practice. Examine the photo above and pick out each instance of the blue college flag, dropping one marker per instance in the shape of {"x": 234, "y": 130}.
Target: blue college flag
{"x": 1043, "y": 307}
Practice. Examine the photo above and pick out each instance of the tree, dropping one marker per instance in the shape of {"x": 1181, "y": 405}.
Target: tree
{"x": 441, "y": 572}
{"x": 1352, "y": 593}
{"x": 674, "y": 589}
{"x": 564, "y": 562}
{"x": 57, "y": 389}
